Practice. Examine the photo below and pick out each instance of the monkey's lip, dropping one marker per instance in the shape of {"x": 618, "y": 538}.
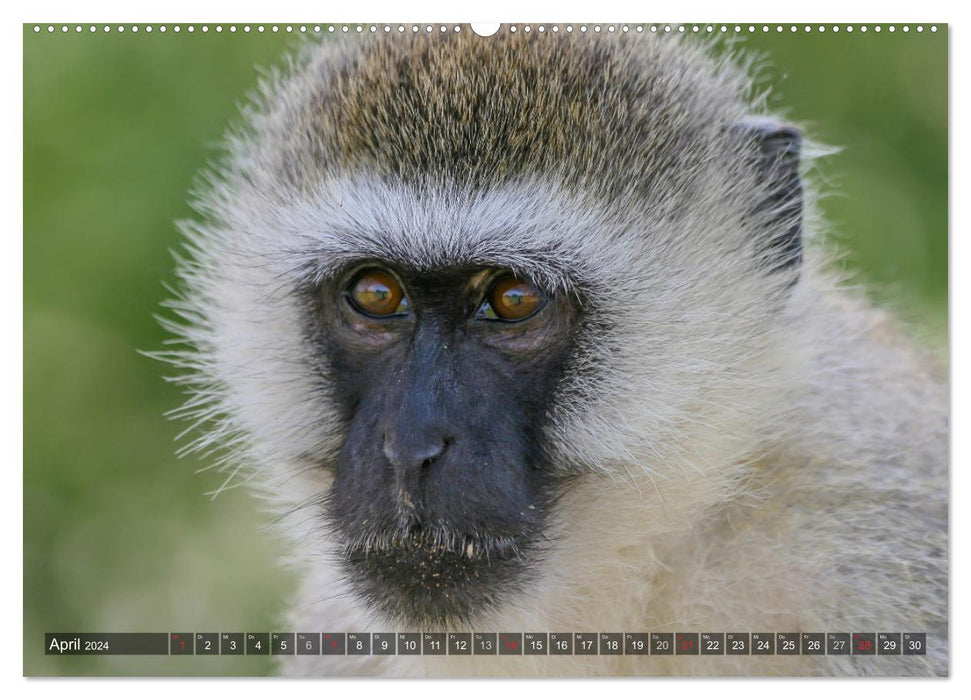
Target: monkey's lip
{"x": 430, "y": 544}
{"x": 434, "y": 559}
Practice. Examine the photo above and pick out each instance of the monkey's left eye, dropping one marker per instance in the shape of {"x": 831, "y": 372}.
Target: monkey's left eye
{"x": 511, "y": 299}
{"x": 376, "y": 293}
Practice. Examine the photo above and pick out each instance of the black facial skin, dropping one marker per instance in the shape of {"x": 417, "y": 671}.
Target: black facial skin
{"x": 441, "y": 489}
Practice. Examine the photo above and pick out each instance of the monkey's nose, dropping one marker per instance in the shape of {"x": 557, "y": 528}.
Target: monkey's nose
{"x": 413, "y": 453}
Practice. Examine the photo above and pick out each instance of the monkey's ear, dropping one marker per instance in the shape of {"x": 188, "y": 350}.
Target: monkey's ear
{"x": 774, "y": 151}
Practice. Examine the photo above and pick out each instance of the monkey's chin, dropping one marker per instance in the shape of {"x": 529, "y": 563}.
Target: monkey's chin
{"x": 436, "y": 579}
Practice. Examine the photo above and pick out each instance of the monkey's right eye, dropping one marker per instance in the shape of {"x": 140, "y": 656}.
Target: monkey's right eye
{"x": 376, "y": 293}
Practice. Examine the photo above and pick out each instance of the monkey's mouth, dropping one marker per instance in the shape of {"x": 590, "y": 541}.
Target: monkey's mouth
{"x": 436, "y": 576}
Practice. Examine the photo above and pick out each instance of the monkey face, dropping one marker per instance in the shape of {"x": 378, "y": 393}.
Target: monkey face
{"x": 444, "y": 379}
{"x": 342, "y": 305}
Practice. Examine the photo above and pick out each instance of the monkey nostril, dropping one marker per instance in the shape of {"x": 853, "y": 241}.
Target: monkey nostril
{"x": 415, "y": 455}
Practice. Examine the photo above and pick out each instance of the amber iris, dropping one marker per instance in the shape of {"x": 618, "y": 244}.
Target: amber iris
{"x": 513, "y": 299}
{"x": 377, "y": 293}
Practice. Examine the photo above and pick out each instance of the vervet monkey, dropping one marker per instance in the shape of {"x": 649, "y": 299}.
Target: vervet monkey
{"x": 529, "y": 333}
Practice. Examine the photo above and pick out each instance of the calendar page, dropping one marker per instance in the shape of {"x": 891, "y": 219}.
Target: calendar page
{"x": 513, "y": 350}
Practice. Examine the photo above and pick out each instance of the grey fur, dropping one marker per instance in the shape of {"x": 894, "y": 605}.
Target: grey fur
{"x": 754, "y": 449}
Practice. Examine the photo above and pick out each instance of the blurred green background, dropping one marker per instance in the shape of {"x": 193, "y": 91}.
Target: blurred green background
{"x": 119, "y": 535}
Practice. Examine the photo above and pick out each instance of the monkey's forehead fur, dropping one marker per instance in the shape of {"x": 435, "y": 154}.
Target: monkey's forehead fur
{"x": 623, "y": 125}
{"x": 604, "y": 115}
